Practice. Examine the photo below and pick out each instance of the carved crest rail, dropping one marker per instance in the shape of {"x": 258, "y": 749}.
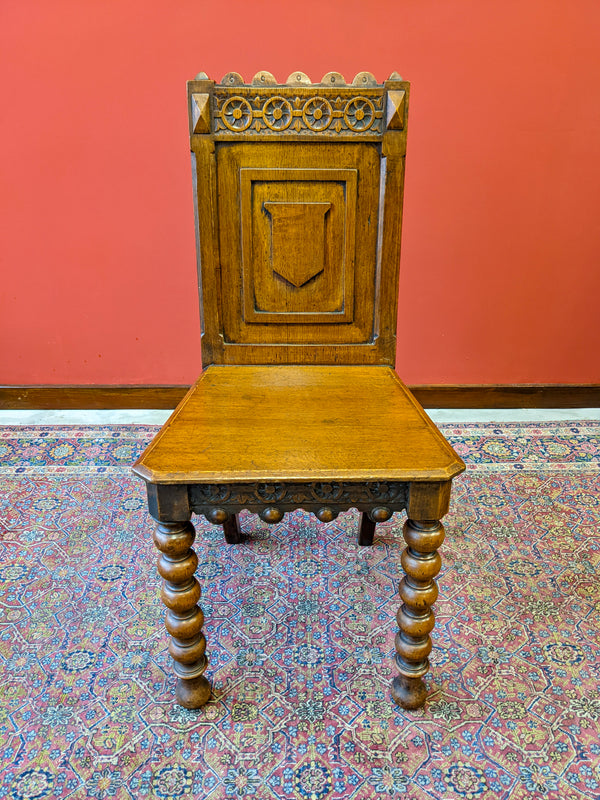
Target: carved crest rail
{"x": 298, "y": 108}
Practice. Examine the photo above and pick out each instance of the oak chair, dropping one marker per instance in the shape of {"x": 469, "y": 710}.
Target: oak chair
{"x": 298, "y": 198}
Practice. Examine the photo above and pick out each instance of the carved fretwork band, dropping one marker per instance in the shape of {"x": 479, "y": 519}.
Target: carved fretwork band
{"x": 419, "y": 591}
{"x": 318, "y": 110}
{"x": 298, "y": 108}
{"x": 218, "y": 502}
{"x": 180, "y": 594}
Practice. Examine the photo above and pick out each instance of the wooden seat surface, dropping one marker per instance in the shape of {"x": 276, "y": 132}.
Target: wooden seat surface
{"x": 304, "y": 423}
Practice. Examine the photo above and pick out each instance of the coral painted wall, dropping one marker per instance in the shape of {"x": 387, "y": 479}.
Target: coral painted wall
{"x": 500, "y": 278}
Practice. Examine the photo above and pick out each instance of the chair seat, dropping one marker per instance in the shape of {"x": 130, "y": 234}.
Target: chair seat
{"x": 298, "y": 423}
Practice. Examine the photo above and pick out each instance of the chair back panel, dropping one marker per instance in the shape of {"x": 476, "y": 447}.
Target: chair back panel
{"x": 298, "y": 194}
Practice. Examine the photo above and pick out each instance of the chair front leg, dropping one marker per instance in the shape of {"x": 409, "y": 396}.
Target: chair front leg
{"x": 184, "y": 619}
{"x": 419, "y": 591}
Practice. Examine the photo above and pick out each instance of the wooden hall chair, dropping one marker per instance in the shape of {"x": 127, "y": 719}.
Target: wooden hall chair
{"x": 298, "y": 196}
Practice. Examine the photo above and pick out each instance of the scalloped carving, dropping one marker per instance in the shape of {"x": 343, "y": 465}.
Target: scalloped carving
{"x": 232, "y": 79}
{"x": 264, "y": 78}
{"x": 298, "y": 79}
{"x": 364, "y": 79}
{"x": 333, "y": 79}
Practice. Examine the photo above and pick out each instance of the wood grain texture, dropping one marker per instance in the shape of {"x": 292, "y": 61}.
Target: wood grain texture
{"x": 298, "y": 423}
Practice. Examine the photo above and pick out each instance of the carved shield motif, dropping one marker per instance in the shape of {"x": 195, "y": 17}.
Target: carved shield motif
{"x": 297, "y": 240}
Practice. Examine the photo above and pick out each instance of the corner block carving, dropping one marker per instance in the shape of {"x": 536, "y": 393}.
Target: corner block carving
{"x": 395, "y": 110}
{"x": 200, "y": 113}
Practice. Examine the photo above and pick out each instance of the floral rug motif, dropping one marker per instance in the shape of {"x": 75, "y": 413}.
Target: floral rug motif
{"x": 300, "y": 628}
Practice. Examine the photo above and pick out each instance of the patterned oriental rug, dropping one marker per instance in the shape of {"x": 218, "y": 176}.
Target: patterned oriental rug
{"x": 300, "y": 628}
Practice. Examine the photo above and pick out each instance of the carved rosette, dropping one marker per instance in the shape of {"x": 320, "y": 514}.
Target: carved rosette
{"x": 317, "y": 114}
{"x": 297, "y": 110}
{"x": 359, "y": 114}
{"x": 277, "y": 113}
{"x": 211, "y": 493}
{"x": 236, "y": 114}
{"x": 270, "y": 492}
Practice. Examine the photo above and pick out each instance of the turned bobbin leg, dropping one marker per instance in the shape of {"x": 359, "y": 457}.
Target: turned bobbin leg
{"x": 419, "y": 591}
{"x": 180, "y": 593}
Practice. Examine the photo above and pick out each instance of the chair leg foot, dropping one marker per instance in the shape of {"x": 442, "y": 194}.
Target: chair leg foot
{"x": 418, "y": 590}
{"x": 231, "y": 528}
{"x": 184, "y": 619}
{"x": 408, "y": 693}
{"x": 366, "y": 530}
{"x": 193, "y": 692}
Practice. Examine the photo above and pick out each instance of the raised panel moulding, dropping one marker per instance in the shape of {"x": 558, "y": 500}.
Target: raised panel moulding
{"x": 298, "y": 243}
